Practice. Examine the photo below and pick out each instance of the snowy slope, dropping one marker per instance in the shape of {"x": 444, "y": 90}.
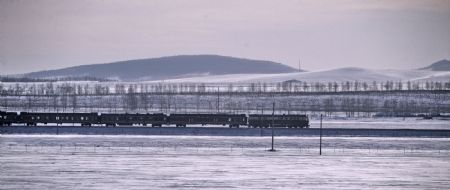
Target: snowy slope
{"x": 171, "y": 67}
{"x": 338, "y": 75}
{"x": 442, "y": 65}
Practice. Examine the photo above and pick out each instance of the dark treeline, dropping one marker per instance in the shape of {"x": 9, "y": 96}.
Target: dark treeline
{"x": 110, "y": 88}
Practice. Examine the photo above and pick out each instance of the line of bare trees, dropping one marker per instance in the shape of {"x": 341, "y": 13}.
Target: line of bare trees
{"x": 66, "y": 88}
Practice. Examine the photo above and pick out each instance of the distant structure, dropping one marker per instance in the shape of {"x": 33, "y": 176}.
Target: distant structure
{"x": 299, "y": 66}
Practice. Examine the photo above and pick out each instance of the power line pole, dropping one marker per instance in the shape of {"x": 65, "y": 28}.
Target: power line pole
{"x": 320, "y": 144}
{"x": 272, "y": 126}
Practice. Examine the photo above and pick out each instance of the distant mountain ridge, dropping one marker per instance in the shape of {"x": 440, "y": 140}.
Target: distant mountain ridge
{"x": 168, "y": 68}
{"x": 442, "y": 65}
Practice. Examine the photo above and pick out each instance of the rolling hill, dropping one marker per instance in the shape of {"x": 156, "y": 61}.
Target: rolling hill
{"x": 333, "y": 75}
{"x": 221, "y": 69}
{"x": 442, "y": 65}
{"x": 168, "y": 68}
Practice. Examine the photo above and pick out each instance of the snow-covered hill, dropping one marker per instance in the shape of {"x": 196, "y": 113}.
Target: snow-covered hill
{"x": 338, "y": 75}
{"x": 171, "y": 67}
{"x": 442, "y": 65}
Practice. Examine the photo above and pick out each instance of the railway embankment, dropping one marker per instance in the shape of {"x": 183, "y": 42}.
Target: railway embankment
{"x": 219, "y": 131}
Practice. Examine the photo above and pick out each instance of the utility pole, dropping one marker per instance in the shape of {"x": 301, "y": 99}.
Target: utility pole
{"x": 320, "y": 144}
{"x": 271, "y": 126}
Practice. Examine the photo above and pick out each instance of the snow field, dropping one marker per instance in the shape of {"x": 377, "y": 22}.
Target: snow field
{"x": 341, "y": 74}
{"x": 185, "y": 162}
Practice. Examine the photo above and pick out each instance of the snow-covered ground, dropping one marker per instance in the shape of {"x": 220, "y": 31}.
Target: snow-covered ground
{"x": 162, "y": 162}
{"x": 382, "y": 123}
{"x": 339, "y": 75}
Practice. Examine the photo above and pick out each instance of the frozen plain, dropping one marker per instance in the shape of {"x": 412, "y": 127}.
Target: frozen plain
{"x": 381, "y": 123}
{"x": 187, "y": 162}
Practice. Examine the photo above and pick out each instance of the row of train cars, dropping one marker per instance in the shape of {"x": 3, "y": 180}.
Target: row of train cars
{"x": 154, "y": 119}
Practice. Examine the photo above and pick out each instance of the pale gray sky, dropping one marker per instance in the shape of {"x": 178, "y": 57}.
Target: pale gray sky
{"x": 324, "y": 34}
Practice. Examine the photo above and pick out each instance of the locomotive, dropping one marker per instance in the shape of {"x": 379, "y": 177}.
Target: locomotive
{"x": 155, "y": 119}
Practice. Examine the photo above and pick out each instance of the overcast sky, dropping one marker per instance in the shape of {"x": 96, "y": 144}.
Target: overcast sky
{"x": 323, "y": 34}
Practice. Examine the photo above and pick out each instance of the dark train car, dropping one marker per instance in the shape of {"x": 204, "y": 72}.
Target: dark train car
{"x": 85, "y": 119}
{"x": 290, "y": 121}
{"x": 156, "y": 119}
{"x": 31, "y": 119}
{"x": 233, "y": 120}
{"x": 113, "y": 119}
{"x": 130, "y": 119}
{"x": 8, "y": 118}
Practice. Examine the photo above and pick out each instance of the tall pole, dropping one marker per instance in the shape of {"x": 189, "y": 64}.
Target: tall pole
{"x": 271, "y": 126}
{"x": 320, "y": 144}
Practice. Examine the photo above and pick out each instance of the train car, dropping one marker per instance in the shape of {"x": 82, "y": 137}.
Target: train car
{"x": 290, "y": 121}
{"x": 114, "y": 119}
{"x": 8, "y": 118}
{"x": 232, "y": 120}
{"x": 156, "y": 119}
{"x": 85, "y": 119}
{"x": 130, "y": 119}
{"x": 32, "y": 119}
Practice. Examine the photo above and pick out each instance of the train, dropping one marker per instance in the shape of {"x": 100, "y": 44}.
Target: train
{"x": 155, "y": 119}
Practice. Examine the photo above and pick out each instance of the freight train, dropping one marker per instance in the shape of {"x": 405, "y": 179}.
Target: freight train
{"x": 154, "y": 120}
